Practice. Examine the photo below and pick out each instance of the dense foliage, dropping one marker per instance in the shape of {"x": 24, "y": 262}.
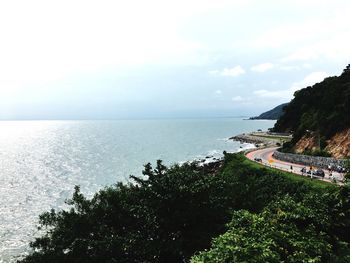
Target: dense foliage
{"x": 273, "y": 114}
{"x": 174, "y": 212}
{"x": 323, "y": 109}
{"x": 286, "y": 231}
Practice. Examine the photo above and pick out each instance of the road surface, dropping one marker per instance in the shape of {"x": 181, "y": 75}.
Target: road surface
{"x": 266, "y": 156}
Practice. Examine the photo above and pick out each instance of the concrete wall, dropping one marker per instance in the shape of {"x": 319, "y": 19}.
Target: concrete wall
{"x": 306, "y": 160}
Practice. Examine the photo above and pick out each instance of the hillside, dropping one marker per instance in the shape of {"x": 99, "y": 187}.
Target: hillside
{"x": 273, "y": 114}
{"x": 319, "y": 117}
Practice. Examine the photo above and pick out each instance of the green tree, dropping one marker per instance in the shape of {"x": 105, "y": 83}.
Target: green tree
{"x": 165, "y": 216}
{"x": 286, "y": 231}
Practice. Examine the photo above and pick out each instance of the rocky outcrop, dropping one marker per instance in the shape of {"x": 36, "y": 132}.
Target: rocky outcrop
{"x": 339, "y": 144}
{"x": 253, "y": 139}
{"x": 307, "y": 142}
{"x": 246, "y": 138}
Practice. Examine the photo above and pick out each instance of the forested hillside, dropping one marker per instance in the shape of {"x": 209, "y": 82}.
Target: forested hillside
{"x": 321, "y": 111}
{"x": 273, "y": 114}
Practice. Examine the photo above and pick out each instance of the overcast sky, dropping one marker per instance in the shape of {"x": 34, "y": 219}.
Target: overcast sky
{"x": 150, "y": 59}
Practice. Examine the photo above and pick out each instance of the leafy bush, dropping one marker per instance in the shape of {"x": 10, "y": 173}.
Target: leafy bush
{"x": 286, "y": 231}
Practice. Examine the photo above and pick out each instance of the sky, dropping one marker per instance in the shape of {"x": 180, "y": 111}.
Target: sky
{"x": 165, "y": 59}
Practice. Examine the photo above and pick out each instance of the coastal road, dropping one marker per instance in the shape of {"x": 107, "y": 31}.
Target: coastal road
{"x": 267, "y": 159}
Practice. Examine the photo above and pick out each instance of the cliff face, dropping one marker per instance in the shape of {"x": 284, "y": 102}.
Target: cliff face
{"x": 339, "y": 144}
{"x": 306, "y": 143}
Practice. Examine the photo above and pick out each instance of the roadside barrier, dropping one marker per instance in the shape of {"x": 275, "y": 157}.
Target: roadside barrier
{"x": 307, "y": 160}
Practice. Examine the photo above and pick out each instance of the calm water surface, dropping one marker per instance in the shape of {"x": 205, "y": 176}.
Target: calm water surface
{"x": 41, "y": 161}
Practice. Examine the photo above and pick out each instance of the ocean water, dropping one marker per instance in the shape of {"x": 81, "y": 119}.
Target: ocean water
{"x": 41, "y": 161}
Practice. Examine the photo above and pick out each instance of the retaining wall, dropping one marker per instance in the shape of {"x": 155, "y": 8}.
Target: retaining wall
{"x": 307, "y": 160}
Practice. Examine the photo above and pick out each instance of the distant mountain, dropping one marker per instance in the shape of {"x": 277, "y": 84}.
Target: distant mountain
{"x": 319, "y": 117}
{"x": 273, "y": 114}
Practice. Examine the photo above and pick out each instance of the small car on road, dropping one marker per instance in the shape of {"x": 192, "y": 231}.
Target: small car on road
{"x": 319, "y": 172}
{"x": 258, "y": 159}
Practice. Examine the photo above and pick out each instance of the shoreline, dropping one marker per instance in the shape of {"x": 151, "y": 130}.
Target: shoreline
{"x": 261, "y": 139}
{"x": 213, "y": 164}
{"x": 244, "y": 138}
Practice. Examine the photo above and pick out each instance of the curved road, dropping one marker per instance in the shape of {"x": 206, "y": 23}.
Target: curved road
{"x": 267, "y": 159}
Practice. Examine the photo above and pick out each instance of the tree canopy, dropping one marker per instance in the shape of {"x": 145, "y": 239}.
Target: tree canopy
{"x": 285, "y": 231}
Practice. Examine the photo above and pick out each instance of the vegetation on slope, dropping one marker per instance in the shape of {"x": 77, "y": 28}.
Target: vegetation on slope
{"x": 174, "y": 213}
{"x": 273, "y": 114}
{"x": 321, "y": 110}
{"x": 286, "y": 231}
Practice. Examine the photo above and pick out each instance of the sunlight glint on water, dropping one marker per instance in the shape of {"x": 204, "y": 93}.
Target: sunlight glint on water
{"x": 41, "y": 161}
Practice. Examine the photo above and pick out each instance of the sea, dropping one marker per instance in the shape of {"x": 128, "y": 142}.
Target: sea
{"x": 42, "y": 161}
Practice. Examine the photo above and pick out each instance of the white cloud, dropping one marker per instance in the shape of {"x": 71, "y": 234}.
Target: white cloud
{"x": 322, "y": 38}
{"x": 214, "y": 72}
{"x": 285, "y": 34}
{"x": 218, "y": 92}
{"x": 295, "y": 67}
{"x": 334, "y": 49}
{"x": 242, "y": 101}
{"x": 234, "y": 72}
{"x": 262, "y": 67}
{"x": 237, "y": 99}
{"x": 272, "y": 94}
{"x": 309, "y": 80}
{"x": 289, "y": 68}
{"x": 229, "y": 72}
{"x": 304, "y": 32}
{"x": 305, "y": 53}
{"x": 49, "y": 48}
{"x": 47, "y": 40}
